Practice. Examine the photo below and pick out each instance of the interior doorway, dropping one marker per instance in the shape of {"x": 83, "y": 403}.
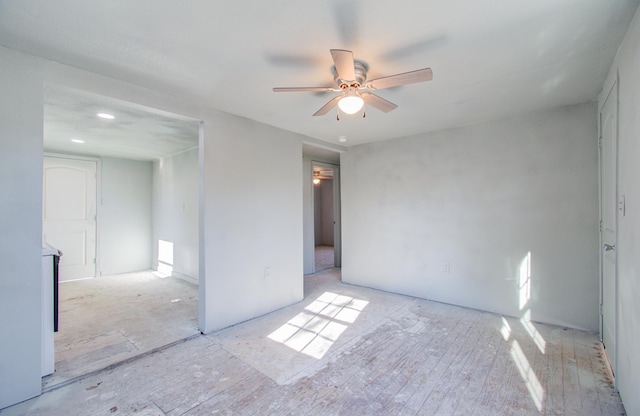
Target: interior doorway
{"x": 326, "y": 215}
{"x": 145, "y": 190}
{"x": 611, "y": 204}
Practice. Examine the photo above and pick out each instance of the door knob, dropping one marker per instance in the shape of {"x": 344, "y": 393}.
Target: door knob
{"x": 608, "y": 247}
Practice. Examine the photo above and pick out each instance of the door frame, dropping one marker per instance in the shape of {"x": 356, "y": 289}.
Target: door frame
{"x": 611, "y": 84}
{"x": 337, "y": 216}
{"x": 98, "y": 161}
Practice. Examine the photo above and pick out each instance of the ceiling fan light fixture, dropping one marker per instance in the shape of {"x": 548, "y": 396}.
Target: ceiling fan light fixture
{"x": 352, "y": 102}
{"x": 316, "y": 178}
{"x": 350, "y": 75}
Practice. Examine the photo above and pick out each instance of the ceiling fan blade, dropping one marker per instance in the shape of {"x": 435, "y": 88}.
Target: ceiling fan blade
{"x": 304, "y": 89}
{"x": 345, "y": 66}
{"x": 378, "y": 102}
{"x": 419, "y": 75}
{"x": 328, "y": 106}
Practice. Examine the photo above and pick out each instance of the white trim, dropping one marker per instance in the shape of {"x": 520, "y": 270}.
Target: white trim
{"x": 185, "y": 277}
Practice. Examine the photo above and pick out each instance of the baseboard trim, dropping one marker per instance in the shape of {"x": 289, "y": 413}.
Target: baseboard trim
{"x": 185, "y": 277}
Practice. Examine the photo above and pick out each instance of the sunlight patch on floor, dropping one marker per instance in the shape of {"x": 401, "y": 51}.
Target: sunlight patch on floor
{"x": 505, "y": 329}
{"x": 536, "y": 391}
{"x": 314, "y": 330}
{"x": 533, "y": 332}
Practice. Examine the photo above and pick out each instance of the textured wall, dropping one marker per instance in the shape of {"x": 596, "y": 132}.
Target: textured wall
{"x": 175, "y": 211}
{"x": 252, "y": 220}
{"x": 478, "y": 199}
{"x": 124, "y": 221}
{"x": 21, "y": 104}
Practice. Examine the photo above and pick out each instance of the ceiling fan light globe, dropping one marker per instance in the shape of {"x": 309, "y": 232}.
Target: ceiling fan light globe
{"x": 351, "y": 104}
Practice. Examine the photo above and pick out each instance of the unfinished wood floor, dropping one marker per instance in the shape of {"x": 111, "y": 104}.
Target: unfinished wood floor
{"x": 109, "y": 319}
{"x": 347, "y": 350}
{"x": 324, "y": 257}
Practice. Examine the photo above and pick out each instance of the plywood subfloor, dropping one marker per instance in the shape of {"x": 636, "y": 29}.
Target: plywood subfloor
{"x": 347, "y": 350}
{"x": 110, "y": 319}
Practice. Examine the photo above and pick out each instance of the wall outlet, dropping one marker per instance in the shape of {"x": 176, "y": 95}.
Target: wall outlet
{"x": 446, "y": 267}
{"x": 267, "y": 272}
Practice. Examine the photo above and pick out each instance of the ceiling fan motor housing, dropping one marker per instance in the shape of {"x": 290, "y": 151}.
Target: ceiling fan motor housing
{"x": 361, "y": 76}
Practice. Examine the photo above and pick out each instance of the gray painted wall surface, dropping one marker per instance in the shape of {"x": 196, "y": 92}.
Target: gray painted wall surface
{"x": 252, "y": 220}
{"x": 480, "y": 198}
{"x": 175, "y": 211}
{"x": 627, "y": 67}
{"x": 124, "y": 220}
{"x": 21, "y": 106}
{"x": 326, "y": 212}
{"x": 317, "y": 215}
{"x": 308, "y": 217}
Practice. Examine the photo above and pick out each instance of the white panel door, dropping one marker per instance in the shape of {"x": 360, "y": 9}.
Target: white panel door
{"x": 69, "y": 214}
{"x": 609, "y": 209}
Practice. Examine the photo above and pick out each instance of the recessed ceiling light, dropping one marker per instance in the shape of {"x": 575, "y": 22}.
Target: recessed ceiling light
{"x": 106, "y": 116}
{"x": 342, "y": 139}
{"x": 77, "y": 140}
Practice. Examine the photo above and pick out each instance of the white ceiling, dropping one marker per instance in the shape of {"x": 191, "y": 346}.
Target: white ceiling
{"x": 136, "y": 132}
{"x": 490, "y": 58}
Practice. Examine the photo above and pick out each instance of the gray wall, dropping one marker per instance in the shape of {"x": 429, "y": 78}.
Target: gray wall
{"x": 627, "y": 68}
{"x": 480, "y": 198}
{"x": 323, "y": 204}
{"x": 327, "y": 213}
{"x": 251, "y": 220}
{"x": 317, "y": 215}
{"x": 124, "y": 219}
{"x": 308, "y": 216}
{"x": 21, "y": 106}
{"x": 175, "y": 211}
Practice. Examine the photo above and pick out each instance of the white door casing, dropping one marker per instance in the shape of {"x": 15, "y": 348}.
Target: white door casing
{"x": 608, "y": 225}
{"x": 69, "y": 214}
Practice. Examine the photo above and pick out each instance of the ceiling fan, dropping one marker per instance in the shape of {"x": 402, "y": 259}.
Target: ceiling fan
{"x": 350, "y": 76}
{"x": 323, "y": 173}
{"x": 320, "y": 174}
